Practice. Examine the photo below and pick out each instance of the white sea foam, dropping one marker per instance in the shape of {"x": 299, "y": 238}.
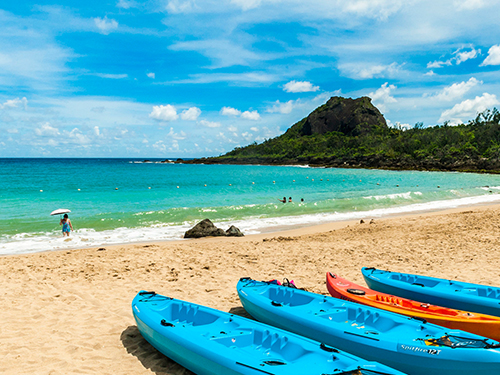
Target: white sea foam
{"x": 82, "y": 238}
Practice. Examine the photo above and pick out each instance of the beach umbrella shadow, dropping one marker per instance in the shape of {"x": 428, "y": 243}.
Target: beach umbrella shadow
{"x": 150, "y": 357}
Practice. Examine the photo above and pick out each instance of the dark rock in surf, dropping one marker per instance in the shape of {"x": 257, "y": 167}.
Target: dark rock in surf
{"x": 234, "y": 232}
{"x": 204, "y": 228}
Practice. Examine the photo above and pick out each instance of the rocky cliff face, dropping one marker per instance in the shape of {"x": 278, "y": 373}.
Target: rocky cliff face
{"x": 349, "y": 116}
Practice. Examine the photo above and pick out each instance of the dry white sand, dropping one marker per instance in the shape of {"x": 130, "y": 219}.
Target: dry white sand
{"x": 69, "y": 312}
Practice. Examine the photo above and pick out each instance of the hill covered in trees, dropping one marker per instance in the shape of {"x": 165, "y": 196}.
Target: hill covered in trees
{"x": 352, "y": 133}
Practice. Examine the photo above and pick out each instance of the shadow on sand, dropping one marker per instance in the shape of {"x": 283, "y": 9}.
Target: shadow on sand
{"x": 150, "y": 357}
{"x": 154, "y": 360}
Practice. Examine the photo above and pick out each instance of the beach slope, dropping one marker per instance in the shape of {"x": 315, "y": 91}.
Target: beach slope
{"x": 69, "y": 311}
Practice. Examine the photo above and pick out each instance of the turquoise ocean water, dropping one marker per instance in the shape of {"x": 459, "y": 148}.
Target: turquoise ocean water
{"x": 160, "y": 201}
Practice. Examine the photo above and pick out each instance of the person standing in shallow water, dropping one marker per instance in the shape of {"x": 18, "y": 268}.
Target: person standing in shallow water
{"x": 284, "y": 200}
{"x": 67, "y": 227}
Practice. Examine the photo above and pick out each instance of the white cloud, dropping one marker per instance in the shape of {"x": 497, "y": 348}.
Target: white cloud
{"x": 493, "y": 57}
{"x": 78, "y": 137}
{"x": 300, "y": 86}
{"x": 430, "y": 73}
{"x": 438, "y": 64}
{"x": 191, "y": 114}
{"x": 361, "y": 71}
{"x": 459, "y": 57}
{"x": 164, "y": 113}
{"x": 180, "y": 6}
{"x": 110, "y": 76}
{"x": 105, "y": 25}
{"x": 468, "y": 4}
{"x": 229, "y": 111}
{"x": 12, "y": 131}
{"x": 210, "y": 124}
{"x": 382, "y": 97}
{"x": 47, "y": 131}
{"x": 151, "y": 75}
{"x": 174, "y": 135}
{"x": 97, "y": 131}
{"x": 247, "y": 4}
{"x": 254, "y": 129}
{"x": 126, "y": 4}
{"x": 468, "y": 108}
{"x": 464, "y": 56}
{"x": 457, "y": 90}
{"x": 14, "y": 103}
{"x": 283, "y": 108}
{"x": 250, "y": 115}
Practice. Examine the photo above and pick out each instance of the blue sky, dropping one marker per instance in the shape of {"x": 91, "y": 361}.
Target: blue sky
{"x": 192, "y": 78}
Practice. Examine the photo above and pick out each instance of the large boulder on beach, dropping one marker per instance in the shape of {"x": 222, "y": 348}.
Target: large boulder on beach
{"x": 234, "y": 232}
{"x": 204, "y": 228}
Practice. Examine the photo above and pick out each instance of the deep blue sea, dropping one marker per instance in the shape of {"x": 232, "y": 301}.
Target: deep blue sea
{"x": 128, "y": 200}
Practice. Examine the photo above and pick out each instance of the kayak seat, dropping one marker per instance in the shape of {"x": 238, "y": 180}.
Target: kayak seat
{"x": 286, "y": 296}
{"x": 369, "y": 319}
{"x": 273, "y": 345}
{"x": 186, "y": 313}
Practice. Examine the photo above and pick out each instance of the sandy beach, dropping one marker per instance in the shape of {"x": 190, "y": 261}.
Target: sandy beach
{"x": 68, "y": 312}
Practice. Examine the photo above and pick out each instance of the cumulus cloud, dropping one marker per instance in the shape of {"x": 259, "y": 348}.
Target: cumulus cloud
{"x": 97, "y": 131}
{"x": 382, "y": 97}
{"x": 469, "y": 108}
{"x": 164, "y": 113}
{"x": 250, "y": 115}
{"x": 210, "y": 124}
{"x": 15, "y": 103}
{"x": 47, "y": 131}
{"x": 151, "y": 75}
{"x": 300, "y": 86}
{"x": 247, "y": 115}
{"x": 493, "y": 57}
{"x": 457, "y": 90}
{"x": 282, "y": 108}
{"x": 191, "y": 114}
{"x": 105, "y": 25}
{"x": 229, "y": 111}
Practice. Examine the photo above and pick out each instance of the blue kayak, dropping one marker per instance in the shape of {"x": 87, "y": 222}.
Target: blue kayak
{"x": 448, "y": 293}
{"x": 407, "y": 344}
{"x": 208, "y": 341}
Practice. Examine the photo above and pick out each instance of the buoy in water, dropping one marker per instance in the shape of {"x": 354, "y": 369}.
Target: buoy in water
{"x": 41, "y": 191}
{"x": 205, "y": 185}
{"x": 177, "y": 187}
{"x": 116, "y": 188}
{"x": 78, "y": 189}
{"x": 149, "y": 187}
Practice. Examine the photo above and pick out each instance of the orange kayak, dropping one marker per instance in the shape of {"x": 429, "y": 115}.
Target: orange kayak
{"x": 480, "y": 324}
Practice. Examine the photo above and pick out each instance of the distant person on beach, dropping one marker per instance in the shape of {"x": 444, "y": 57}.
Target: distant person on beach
{"x": 283, "y": 200}
{"x": 289, "y": 199}
{"x": 66, "y": 225}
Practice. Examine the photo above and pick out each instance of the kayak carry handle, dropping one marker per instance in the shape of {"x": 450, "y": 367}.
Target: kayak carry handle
{"x": 164, "y": 323}
{"x": 357, "y": 292}
{"x": 332, "y": 275}
{"x": 277, "y": 304}
{"x": 147, "y": 293}
{"x": 418, "y": 284}
{"x": 329, "y": 349}
{"x": 245, "y": 278}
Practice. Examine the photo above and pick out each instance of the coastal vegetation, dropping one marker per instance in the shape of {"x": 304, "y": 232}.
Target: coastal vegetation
{"x": 352, "y": 133}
